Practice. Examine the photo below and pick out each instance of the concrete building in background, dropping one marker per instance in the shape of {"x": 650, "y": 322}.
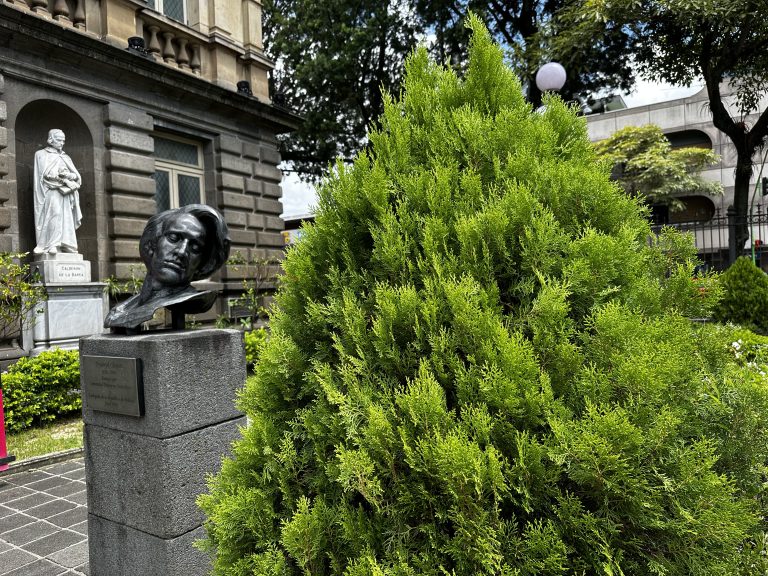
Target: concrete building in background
{"x": 688, "y": 122}
{"x": 163, "y": 103}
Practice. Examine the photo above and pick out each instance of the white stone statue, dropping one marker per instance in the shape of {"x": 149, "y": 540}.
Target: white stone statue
{"x": 57, "y": 202}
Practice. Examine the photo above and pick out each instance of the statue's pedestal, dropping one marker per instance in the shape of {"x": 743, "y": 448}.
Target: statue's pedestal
{"x": 71, "y": 312}
{"x": 145, "y": 471}
{"x": 62, "y": 267}
{"x": 76, "y": 307}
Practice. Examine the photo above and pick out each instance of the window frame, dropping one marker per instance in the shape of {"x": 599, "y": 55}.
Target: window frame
{"x": 158, "y": 6}
{"x": 174, "y": 169}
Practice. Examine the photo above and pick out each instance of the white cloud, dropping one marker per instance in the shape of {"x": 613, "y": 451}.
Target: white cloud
{"x": 649, "y": 92}
{"x": 299, "y": 198}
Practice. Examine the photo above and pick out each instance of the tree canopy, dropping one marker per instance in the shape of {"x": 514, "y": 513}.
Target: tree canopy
{"x": 479, "y": 365}
{"x": 647, "y": 166}
{"x": 528, "y": 31}
{"x": 725, "y": 42}
{"x": 334, "y": 57}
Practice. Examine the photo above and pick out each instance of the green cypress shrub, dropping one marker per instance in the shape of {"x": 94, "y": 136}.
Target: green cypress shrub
{"x": 745, "y": 296}
{"x": 479, "y": 365}
{"x": 254, "y": 341}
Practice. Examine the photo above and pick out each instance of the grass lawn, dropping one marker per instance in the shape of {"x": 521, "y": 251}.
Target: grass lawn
{"x": 61, "y": 435}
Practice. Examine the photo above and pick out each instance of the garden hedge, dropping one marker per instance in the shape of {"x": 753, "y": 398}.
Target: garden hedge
{"x": 39, "y": 389}
{"x": 745, "y": 298}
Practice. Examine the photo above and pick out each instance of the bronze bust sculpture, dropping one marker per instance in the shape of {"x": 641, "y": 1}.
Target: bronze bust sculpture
{"x": 177, "y": 246}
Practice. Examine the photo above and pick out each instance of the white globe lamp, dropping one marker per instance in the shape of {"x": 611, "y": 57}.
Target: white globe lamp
{"x": 550, "y": 77}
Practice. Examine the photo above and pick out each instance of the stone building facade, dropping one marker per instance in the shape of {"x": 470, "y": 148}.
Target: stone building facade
{"x": 182, "y": 115}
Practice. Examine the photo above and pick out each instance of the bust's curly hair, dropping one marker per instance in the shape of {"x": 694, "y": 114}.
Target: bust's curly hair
{"x": 217, "y": 240}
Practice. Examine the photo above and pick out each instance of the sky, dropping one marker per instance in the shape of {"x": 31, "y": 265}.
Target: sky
{"x": 647, "y": 92}
{"x": 299, "y": 198}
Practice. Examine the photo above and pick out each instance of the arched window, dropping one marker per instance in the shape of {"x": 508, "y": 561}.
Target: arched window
{"x": 697, "y": 209}
{"x": 689, "y": 139}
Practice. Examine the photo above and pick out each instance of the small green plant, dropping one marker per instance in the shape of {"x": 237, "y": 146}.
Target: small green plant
{"x": 20, "y": 295}
{"x": 745, "y": 296}
{"x": 254, "y": 341}
{"x": 260, "y": 281}
{"x": 745, "y": 347}
{"x": 116, "y": 287}
{"x": 39, "y": 389}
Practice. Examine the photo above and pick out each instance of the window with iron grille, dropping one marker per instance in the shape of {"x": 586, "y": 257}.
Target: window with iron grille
{"x": 178, "y": 172}
{"x": 174, "y": 9}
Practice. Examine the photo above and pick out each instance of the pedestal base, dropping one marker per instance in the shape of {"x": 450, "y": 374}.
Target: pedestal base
{"x": 151, "y": 484}
{"x": 119, "y": 550}
{"x": 71, "y": 312}
{"x": 62, "y": 267}
{"x": 144, "y": 473}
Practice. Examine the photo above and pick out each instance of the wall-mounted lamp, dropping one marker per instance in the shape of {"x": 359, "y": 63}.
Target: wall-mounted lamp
{"x": 136, "y": 43}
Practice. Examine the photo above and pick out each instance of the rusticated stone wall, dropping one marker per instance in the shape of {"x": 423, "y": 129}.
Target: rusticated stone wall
{"x": 247, "y": 181}
{"x": 6, "y": 186}
{"x": 130, "y": 187}
{"x": 246, "y": 188}
{"x": 110, "y": 101}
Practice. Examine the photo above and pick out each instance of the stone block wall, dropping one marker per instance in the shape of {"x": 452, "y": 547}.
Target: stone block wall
{"x": 129, "y": 150}
{"x": 110, "y": 101}
{"x": 8, "y": 353}
{"x": 248, "y": 185}
{"x": 242, "y": 180}
{"x": 7, "y": 186}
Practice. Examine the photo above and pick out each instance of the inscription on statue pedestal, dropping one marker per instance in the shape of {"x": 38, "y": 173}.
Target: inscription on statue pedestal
{"x": 113, "y": 384}
{"x": 71, "y": 273}
{"x": 62, "y": 268}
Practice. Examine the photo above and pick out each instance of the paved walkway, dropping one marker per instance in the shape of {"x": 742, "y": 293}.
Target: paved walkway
{"x": 43, "y": 521}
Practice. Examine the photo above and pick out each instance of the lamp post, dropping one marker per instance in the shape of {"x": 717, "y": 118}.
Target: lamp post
{"x": 550, "y": 78}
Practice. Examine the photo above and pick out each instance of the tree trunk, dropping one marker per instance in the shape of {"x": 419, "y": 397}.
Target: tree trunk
{"x": 534, "y": 94}
{"x": 746, "y": 143}
{"x": 741, "y": 198}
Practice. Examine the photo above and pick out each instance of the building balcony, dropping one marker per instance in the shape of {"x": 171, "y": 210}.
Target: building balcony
{"x": 218, "y": 41}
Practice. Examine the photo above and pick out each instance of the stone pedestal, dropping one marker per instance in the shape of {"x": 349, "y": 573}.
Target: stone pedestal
{"x": 62, "y": 267}
{"x": 76, "y": 307}
{"x": 144, "y": 473}
{"x": 71, "y": 312}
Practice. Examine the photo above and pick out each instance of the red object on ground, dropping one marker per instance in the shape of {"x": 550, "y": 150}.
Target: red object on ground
{"x": 4, "y": 458}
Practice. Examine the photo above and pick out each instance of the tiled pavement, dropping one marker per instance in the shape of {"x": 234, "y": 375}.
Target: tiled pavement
{"x": 43, "y": 521}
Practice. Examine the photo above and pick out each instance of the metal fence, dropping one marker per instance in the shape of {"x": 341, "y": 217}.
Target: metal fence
{"x": 712, "y": 238}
